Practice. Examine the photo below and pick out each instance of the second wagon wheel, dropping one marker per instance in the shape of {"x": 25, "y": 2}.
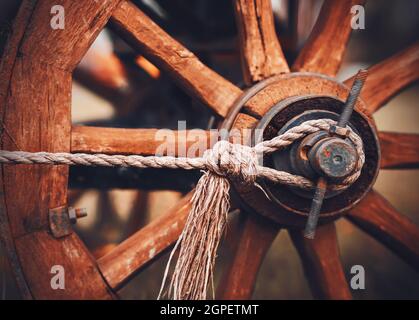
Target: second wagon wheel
{"x": 35, "y": 108}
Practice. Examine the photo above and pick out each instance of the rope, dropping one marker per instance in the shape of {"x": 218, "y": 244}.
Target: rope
{"x": 224, "y": 159}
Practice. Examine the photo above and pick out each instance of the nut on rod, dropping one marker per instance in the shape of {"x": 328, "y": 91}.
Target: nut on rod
{"x": 321, "y": 186}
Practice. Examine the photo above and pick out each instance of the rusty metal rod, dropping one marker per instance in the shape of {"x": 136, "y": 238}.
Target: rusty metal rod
{"x": 316, "y": 204}
{"x": 352, "y": 97}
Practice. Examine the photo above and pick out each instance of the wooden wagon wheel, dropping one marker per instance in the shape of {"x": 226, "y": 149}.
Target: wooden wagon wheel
{"x": 35, "y": 108}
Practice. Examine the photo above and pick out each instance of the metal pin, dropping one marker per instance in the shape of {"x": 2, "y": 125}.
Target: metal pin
{"x": 321, "y": 187}
{"x": 352, "y": 97}
{"x": 316, "y": 205}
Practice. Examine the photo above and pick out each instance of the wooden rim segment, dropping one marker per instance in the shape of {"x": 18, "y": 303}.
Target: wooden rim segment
{"x": 399, "y": 150}
{"x": 377, "y": 217}
{"x": 324, "y": 49}
{"x": 185, "y": 68}
{"x": 46, "y": 58}
{"x": 254, "y": 242}
{"x": 389, "y": 77}
{"x": 261, "y": 53}
{"x": 321, "y": 262}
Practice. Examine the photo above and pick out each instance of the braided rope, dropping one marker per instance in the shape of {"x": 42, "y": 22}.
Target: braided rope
{"x": 224, "y": 159}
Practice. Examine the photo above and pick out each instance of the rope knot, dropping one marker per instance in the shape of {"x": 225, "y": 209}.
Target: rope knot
{"x": 232, "y": 160}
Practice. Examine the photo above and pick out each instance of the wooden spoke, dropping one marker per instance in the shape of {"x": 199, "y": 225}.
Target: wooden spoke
{"x": 255, "y": 240}
{"x": 189, "y": 72}
{"x": 140, "y": 141}
{"x": 399, "y": 150}
{"x": 321, "y": 262}
{"x": 324, "y": 50}
{"x": 389, "y": 77}
{"x": 104, "y": 74}
{"x": 376, "y": 216}
{"x": 261, "y": 52}
{"x": 146, "y": 245}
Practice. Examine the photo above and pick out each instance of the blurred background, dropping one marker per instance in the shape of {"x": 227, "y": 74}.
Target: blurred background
{"x": 117, "y": 87}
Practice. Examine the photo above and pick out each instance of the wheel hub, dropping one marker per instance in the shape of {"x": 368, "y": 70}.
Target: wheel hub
{"x": 318, "y": 154}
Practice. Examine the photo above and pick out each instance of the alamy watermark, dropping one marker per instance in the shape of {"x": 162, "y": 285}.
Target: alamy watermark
{"x": 358, "y": 17}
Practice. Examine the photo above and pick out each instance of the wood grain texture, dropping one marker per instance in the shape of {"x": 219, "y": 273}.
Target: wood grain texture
{"x": 326, "y": 45}
{"x": 6, "y": 66}
{"x": 139, "y": 141}
{"x": 321, "y": 262}
{"x": 399, "y": 150}
{"x": 377, "y": 217}
{"x": 389, "y": 77}
{"x": 36, "y": 113}
{"x": 255, "y": 240}
{"x": 297, "y": 84}
{"x": 261, "y": 52}
{"x": 184, "y": 67}
{"x": 146, "y": 245}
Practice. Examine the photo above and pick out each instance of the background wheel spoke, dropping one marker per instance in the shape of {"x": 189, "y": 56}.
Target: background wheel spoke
{"x": 399, "y": 150}
{"x": 185, "y": 68}
{"x": 321, "y": 262}
{"x": 324, "y": 50}
{"x": 255, "y": 240}
{"x": 389, "y": 77}
{"x": 378, "y": 218}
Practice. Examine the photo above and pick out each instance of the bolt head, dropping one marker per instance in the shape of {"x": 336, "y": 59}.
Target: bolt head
{"x": 333, "y": 158}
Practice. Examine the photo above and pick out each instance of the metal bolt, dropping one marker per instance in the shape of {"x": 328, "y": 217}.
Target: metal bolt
{"x": 321, "y": 186}
{"x": 76, "y": 213}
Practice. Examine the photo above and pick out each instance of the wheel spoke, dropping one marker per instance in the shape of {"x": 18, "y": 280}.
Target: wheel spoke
{"x": 321, "y": 261}
{"x": 104, "y": 74}
{"x": 146, "y": 245}
{"x": 324, "y": 50}
{"x": 399, "y": 150}
{"x": 139, "y": 141}
{"x": 261, "y": 52}
{"x": 185, "y": 68}
{"x": 255, "y": 240}
{"x": 389, "y": 77}
{"x": 376, "y": 216}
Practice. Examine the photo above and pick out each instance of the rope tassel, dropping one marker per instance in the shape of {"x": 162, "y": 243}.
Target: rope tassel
{"x": 207, "y": 219}
{"x": 200, "y": 238}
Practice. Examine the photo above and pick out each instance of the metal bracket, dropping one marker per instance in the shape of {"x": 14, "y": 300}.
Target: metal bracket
{"x": 62, "y": 218}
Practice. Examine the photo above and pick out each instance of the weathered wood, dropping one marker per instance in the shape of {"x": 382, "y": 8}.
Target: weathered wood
{"x": 261, "y": 52}
{"x": 324, "y": 49}
{"x": 297, "y": 84}
{"x": 6, "y": 65}
{"x": 36, "y": 111}
{"x": 185, "y": 68}
{"x": 321, "y": 262}
{"x": 389, "y": 77}
{"x": 255, "y": 240}
{"x": 38, "y": 252}
{"x": 399, "y": 150}
{"x": 138, "y": 141}
{"x": 146, "y": 245}
{"x": 377, "y": 217}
